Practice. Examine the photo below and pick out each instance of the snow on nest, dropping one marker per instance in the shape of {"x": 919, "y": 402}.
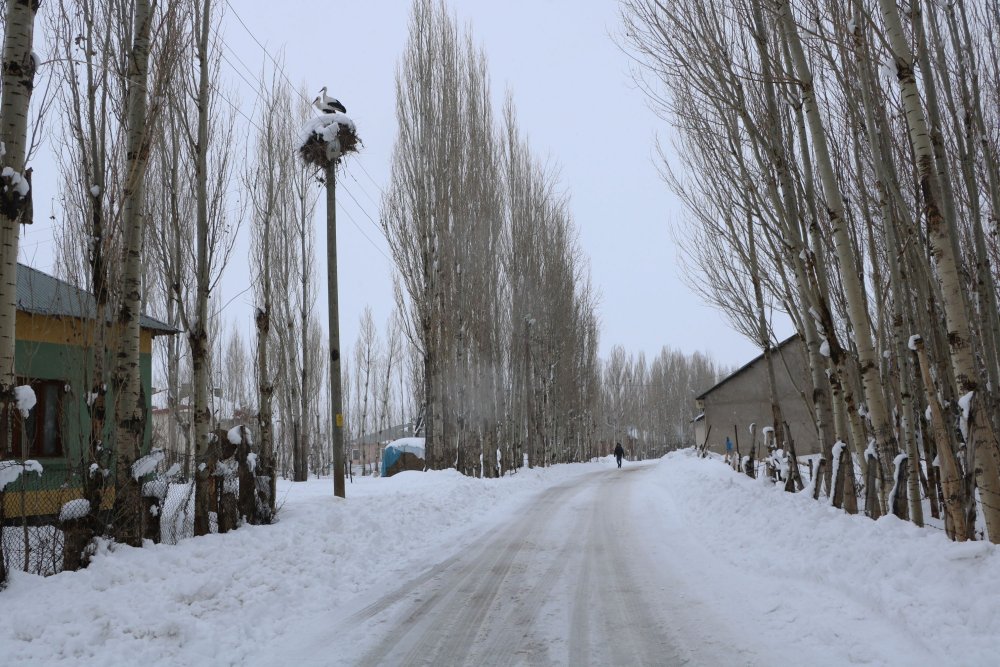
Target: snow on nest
{"x": 326, "y": 138}
{"x": 235, "y": 436}
{"x": 17, "y": 181}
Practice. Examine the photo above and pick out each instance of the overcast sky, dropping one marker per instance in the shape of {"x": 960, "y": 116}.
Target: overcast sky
{"x": 575, "y": 100}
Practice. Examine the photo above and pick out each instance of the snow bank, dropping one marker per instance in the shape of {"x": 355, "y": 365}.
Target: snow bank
{"x": 838, "y": 589}
{"x": 212, "y": 600}
{"x": 770, "y": 577}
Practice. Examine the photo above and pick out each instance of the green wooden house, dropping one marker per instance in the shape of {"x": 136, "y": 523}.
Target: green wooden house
{"x": 56, "y": 333}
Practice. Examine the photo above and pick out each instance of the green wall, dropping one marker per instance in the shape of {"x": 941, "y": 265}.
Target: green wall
{"x": 72, "y": 365}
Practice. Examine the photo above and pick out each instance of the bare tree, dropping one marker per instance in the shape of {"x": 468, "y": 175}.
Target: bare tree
{"x": 15, "y": 202}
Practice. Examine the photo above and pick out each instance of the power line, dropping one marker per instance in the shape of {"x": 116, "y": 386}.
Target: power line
{"x": 355, "y": 179}
{"x": 263, "y": 48}
{"x": 356, "y": 225}
{"x": 280, "y": 70}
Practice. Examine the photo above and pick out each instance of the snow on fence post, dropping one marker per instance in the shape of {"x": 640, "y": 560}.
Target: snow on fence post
{"x": 226, "y": 473}
{"x": 75, "y": 520}
{"x": 872, "y": 507}
{"x": 247, "y": 498}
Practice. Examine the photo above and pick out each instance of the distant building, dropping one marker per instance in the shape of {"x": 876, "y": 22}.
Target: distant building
{"x": 54, "y": 355}
{"x": 173, "y": 428}
{"x": 368, "y": 448}
{"x": 729, "y": 408}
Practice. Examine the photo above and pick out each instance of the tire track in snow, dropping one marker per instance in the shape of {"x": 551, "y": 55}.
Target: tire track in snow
{"x": 445, "y": 621}
{"x": 560, "y": 584}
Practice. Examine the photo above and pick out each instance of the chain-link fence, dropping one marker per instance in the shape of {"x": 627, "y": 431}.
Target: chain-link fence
{"x": 32, "y": 539}
{"x": 48, "y": 522}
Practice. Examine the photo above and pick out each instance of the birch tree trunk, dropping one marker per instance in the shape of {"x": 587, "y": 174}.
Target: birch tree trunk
{"x": 952, "y": 479}
{"x": 129, "y": 408}
{"x": 15, "y": 200}
{"x": 898, "y": 281}
{"x": 985, "y": 445}
{"x": 853, "y": 287}
{"x": 198, "y": 336}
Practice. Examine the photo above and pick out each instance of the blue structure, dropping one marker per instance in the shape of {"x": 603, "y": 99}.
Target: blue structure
{"x": 393, "y": 459}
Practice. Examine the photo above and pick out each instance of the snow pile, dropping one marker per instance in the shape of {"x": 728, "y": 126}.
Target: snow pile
{"x": 74, "y": 509}
{"x": 10, "y": 471}
{"x": 147, "y": 464}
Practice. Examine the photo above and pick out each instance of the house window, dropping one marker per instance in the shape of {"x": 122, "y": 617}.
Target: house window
{"x": 355, "y": 454}
{"x": 42, "y": 428}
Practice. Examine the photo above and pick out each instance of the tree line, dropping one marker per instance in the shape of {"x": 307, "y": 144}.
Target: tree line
{"x": 492, "y": 352}
{"x": 839, "y": 161}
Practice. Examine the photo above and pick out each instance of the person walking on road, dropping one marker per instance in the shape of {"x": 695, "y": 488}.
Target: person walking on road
{"x": 619, "y": 453}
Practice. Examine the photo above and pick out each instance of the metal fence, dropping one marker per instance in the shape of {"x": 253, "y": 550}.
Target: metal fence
{"x": 37, "y": 514}
{"x": 31, "y": 538}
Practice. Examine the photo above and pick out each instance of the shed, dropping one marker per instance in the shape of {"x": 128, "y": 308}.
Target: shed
{"x": 55, "y": 330}
{"x": 727, "y": 409}
{"x": 402, "y": 454}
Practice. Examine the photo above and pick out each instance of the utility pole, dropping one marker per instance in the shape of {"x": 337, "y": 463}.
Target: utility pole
{"x": 336, "y": 394}
{"x": 329, "y": 138}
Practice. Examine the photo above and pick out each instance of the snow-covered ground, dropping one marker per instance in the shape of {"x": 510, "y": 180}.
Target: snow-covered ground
{"x": 764, "y": 576}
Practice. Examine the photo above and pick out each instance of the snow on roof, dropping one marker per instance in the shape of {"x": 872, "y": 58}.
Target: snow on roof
{"x": 412, "y": 445}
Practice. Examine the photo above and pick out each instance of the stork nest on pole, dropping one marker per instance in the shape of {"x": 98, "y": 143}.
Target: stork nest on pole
{"x": 327, "y": 138}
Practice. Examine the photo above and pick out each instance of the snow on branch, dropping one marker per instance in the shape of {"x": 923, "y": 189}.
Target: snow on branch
{"x": 26, "y": 399}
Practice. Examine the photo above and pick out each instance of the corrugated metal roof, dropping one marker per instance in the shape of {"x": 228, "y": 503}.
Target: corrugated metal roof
{"x": 43, "y": 294}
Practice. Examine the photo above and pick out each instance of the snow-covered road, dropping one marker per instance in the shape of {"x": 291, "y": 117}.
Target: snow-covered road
{"x": 563, "y": 584}
{"x": 678, "y": 561}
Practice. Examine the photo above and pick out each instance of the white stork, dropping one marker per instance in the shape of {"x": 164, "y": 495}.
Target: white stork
{"x": 327, "y": 104}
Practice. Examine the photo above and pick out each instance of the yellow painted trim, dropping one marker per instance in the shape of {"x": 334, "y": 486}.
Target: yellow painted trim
{"x": 64, "y": 330}
{"x": 46, "y": 502}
